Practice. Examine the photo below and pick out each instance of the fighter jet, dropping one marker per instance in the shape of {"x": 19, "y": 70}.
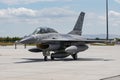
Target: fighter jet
{"x": 56, "y": 45}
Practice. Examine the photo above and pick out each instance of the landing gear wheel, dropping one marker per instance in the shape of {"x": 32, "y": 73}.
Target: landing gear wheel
{"x": 52, "y": 58}
{"x": 75, "y": 56}
{"x": 45, "y": 58}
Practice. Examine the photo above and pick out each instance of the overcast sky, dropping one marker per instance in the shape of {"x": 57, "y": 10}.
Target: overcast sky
{"x": 22, "y": 17}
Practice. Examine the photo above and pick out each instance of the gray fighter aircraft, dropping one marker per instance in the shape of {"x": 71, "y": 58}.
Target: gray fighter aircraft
{"x": 51, "y": 43}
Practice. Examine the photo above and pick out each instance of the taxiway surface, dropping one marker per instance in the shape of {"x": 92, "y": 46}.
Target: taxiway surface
{"x": 94, "y": 64}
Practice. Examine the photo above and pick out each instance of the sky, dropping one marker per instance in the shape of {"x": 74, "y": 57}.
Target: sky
{"x": 22, "y": 17}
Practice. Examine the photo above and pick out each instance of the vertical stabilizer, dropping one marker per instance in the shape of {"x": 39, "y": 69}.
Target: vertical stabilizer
{"x": 78, "y": 26}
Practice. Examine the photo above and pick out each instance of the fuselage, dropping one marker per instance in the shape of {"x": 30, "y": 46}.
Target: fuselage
{"x": 63, "y": 45}
{"x": 55, "y": 41}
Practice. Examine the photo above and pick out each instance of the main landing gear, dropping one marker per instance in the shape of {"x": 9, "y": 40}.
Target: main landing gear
{"x": 75, "y": 57}
{"x": 52, "y": 58}
{"x": 47, "y": 53}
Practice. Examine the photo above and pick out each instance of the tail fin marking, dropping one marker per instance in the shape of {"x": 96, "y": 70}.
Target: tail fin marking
{"x": 78, "y": 26}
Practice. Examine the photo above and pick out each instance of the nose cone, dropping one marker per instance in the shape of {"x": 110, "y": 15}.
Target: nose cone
{"x": 27, "y": 40}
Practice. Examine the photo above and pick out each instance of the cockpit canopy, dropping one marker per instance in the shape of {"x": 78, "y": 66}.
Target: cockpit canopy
{"x": 42, "y": 30}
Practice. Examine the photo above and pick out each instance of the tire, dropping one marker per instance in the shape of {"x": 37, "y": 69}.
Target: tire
{"x": 45, "y": 58}
{"x": 52, "y": 58}
{"x": 75, "y": 56}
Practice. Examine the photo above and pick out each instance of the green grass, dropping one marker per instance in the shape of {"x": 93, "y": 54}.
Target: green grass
{"x": 6, "y": 43}
{"x": 102, "y": 44}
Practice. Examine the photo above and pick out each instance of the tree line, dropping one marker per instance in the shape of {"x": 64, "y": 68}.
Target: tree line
{"x": 118, "y": 39}
{"x": 9, "y": 39}
{"x": 13, "y": 39}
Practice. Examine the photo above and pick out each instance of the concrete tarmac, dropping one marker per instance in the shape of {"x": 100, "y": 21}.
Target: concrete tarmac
{"x": 93, "y": 64}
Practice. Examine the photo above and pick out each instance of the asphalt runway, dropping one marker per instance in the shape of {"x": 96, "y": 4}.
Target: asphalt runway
{"x": 98, "y": 62}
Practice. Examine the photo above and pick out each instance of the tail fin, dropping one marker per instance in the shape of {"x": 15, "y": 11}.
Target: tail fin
{"x": 78, "y": 26}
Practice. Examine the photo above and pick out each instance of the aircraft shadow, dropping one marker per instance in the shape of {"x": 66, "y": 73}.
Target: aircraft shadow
{"x": 30, "y": 60}
{"x": 33, "y": 60}
{"x": 84, "y": 59}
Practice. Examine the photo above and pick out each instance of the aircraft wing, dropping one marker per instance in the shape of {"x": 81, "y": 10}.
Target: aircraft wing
{"x": 95, "y": 41}
{"x": 29, "y": 40}
{"x": 74, "y": 40}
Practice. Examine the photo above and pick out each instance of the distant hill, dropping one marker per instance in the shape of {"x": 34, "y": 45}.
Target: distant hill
{"x": 103, "y": 36}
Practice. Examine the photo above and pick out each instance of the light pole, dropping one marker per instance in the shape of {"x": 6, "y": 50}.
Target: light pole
{"x": 107, "y": 33}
